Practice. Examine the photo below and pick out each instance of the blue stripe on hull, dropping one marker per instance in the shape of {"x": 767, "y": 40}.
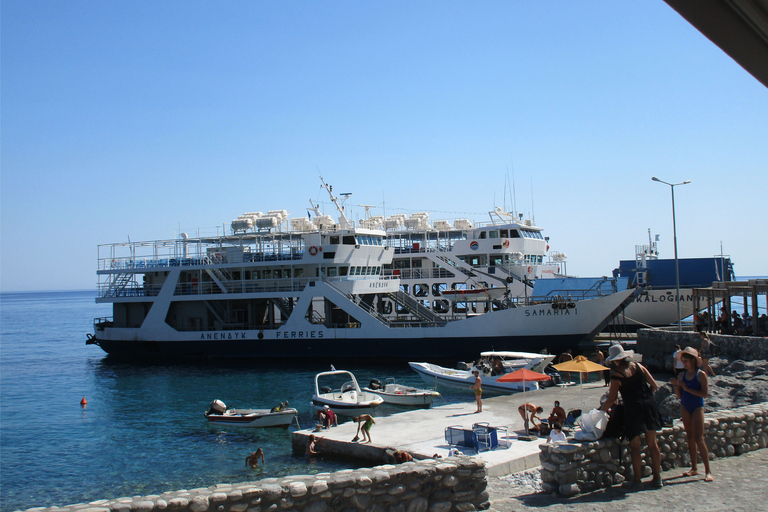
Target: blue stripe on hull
{"x": 378, "y": 350}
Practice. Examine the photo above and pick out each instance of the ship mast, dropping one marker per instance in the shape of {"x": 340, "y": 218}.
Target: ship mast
{"x": 343, "y": 221}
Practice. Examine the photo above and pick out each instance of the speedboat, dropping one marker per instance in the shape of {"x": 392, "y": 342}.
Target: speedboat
{"x": 492, "y": 365}
{"x": 281, "y": 416}
{"x": 398, "y": 394}
{"x": 345, "y": 400}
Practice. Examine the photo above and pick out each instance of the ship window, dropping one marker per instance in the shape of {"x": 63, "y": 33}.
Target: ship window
{"x": 497, "y": 259}
{"x": 299, "y": 272}
{"x": 420, "y": 290}
{"x": 334, "y": 240}
{"x": 387, "y": 307}
{"x": 349, "y": 240}
{"x": 438, "y": 288}
{"x": 483, "y": 235}
{"x": 440, "y": 306}
{"x": 327, "y": 255}
{"x": 332, "y": 271}
{"x": 494, "y": 234}
{"x": 404, "y": 288}
{"x": 504, "y": 233}
{"x": 513, "y": 233}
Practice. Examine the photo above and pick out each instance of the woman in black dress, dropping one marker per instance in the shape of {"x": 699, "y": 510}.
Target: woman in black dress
{"x": 641, "y": 414}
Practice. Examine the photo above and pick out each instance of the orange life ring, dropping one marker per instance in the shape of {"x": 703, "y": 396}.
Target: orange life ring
{"x": 313, "y": 250}
{"x": 506, "y": 244}
{"x": 530, "y": 269}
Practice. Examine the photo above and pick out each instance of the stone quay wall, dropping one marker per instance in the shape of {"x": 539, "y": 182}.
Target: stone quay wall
{"x": 570, "y": 468}
{"x": 658, "y": 345}
{"x": 454, "y": 484}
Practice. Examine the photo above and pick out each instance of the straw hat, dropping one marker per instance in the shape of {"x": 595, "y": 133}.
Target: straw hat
{"x": 617, "y": 352}
{"x": 693, "y": 353}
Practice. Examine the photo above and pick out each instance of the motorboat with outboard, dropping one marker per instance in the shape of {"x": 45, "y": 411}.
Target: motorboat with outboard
{"x": 279, "y": 288}
{"x": 339, "y": 390}
{"x": 491, "y": 365}
{"x": 280, "y": 416}
{"x": 400, "y": 394}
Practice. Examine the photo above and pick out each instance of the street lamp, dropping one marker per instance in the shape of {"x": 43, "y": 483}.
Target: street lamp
{"x": 674, "y": 232}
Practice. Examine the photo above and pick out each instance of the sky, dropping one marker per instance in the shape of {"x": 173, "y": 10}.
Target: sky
{"x": 145, "y": 119}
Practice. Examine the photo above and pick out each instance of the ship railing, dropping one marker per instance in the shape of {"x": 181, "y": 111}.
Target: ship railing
{"x": 107, "y": 290}
{"x": 102, "y": 322}
{"x": 209, "y": 287}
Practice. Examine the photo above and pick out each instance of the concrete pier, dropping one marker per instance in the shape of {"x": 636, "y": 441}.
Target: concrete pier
{"x": 421, "y": 432}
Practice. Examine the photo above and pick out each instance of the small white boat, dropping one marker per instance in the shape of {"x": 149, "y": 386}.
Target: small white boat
{"x": 506, "y": 362}
{"x": 398, "y": 394}
{"x": 347, "y": 399}
{"x": 218, "y": 414}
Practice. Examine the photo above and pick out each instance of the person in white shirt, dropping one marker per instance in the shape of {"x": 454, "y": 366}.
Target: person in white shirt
{"x": 678, "y": 360}
{"x": 556, "y": 434}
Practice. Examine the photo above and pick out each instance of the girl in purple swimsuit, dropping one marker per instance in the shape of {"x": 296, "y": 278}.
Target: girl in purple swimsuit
{"x": 692, "y": 387}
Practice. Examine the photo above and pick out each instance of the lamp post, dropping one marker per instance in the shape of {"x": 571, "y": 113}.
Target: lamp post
{"x": 674, "y": 234}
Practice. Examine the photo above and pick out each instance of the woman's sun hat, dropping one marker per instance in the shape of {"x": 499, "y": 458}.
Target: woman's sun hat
{"x": 693, "y": 353}
{"x": 616, "y": 352}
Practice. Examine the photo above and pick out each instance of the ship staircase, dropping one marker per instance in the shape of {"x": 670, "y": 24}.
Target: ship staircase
{"x": 454, "y": 263}
{"x": 118, "y": 284}
{"x": 426, "y": 317}
{"x": 357, "y": 301}
{"x": 220, "y": 278}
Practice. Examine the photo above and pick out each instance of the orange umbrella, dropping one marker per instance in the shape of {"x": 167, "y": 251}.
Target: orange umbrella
{"x": 522, "y": 375}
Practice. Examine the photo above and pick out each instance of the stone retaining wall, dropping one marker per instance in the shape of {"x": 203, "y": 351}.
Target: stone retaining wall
{"x": 575, "y": 467}
{"x": 455, "y": 484}
{"x": 658, "y": 345}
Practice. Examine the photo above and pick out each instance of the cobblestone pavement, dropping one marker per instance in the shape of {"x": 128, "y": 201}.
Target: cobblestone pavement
{"x": 741, "y": 484}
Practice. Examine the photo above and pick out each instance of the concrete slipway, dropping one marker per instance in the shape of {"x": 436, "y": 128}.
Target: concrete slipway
{"x": 422, "y": 431}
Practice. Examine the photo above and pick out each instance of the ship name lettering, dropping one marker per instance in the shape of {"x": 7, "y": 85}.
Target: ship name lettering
{"x": 664, "y": 298}
{"x": 222, "y": 336}
{"x": 551, "y": 312}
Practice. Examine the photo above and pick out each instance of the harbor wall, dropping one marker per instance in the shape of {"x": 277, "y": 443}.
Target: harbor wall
{"x": 454, "y": 484}
{"x": 658, "y": 345}
{"x": 574, "y": 467}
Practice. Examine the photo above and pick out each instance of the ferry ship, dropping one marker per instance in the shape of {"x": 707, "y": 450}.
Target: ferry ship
{"x": 442, "y": 264}
{"x": 316, "y": 288}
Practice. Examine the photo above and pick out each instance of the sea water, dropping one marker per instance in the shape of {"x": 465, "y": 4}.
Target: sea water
{"x": 143, "y": 430}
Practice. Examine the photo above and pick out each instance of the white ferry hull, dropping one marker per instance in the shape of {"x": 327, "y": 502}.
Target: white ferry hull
{"x": 530, "y": 328}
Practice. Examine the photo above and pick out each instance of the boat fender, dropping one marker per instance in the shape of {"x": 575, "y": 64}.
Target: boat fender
{"x": 375, "y": 384}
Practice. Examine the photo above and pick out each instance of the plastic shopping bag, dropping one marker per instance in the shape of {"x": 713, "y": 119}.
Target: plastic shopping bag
{"x": 593, "y": 424}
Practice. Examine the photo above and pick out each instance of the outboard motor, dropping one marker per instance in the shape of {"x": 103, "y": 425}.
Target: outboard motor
{"x": 374, "y": 384}
{"x": 217, "y": 407}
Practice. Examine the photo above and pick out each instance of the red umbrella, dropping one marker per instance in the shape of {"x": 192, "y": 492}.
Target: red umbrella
{"x": 522, "y": 375}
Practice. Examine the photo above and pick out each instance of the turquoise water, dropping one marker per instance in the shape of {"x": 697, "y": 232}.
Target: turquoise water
{"x": 142, "y": 431}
